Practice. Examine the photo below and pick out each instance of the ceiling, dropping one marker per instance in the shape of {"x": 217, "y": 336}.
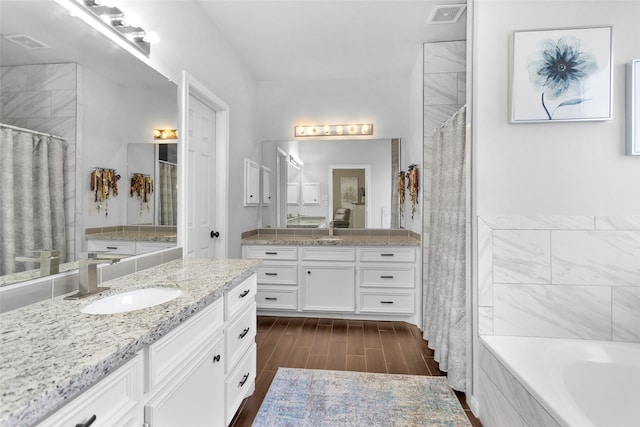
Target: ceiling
{"x": 277, "y": 39}
{"x": 330, "y": 39}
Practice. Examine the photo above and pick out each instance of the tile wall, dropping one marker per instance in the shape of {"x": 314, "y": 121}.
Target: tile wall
{"x": 560, "y": 276}
{"x": 45, "y": 98}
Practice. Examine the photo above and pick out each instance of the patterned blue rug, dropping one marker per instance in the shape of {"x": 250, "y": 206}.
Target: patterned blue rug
{"x": 309, "y": 397}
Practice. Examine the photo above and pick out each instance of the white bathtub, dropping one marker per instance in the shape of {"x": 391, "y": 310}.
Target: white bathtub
{"x": 580, "y": 383}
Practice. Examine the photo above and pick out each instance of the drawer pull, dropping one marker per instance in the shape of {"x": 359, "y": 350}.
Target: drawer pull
{"x": 244, "y": 333}
{"x": 270, "y": 274}
{"x": 386, "y": 254}
{"x": 386, "y": 277}
{"x": 216, "y": 358}
{"x": 244, "y": 379}
{"x": 271, "y": 253}
{"x": 386, "y": 302}
{"x": 88, "y": 423}
{"x": 112, "y": 247}
{"x": 271, "y": 299}
{"x": 244, "y": 294}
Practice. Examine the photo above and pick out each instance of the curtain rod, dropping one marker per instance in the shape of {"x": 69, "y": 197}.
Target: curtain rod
{"x": 35, "y": 132}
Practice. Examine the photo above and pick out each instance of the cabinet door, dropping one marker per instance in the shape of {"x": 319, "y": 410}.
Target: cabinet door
{"x": 311, "y": 193}
{"x": 266, "y": 185}
{"x": 251, "y": 183}
{"x": 328, "y": 288}
{"x": 196, "y": 396}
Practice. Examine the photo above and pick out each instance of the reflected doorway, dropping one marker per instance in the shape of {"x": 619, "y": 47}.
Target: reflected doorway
{"x": 348, "y": 189}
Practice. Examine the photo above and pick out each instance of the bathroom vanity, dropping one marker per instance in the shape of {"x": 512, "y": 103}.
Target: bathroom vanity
{"x": 365, "y": 274}
{"x": 188, "y": 361}
{"x": 130, "y": 239}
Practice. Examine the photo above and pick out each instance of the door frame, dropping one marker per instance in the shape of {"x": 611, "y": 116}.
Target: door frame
{"x": 367, "y": 190}
{"x": 192, "y": 87}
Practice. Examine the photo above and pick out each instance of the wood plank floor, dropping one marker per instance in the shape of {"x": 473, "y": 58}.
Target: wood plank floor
{"x": 351, "y": 345}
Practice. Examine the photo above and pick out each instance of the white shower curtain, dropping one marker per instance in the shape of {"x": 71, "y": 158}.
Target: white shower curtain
{"x": 444, "y": 284}
{"x": 168, "y": 194}
{"x": 32, "y": 211}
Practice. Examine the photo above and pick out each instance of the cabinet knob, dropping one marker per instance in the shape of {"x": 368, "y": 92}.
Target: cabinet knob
{"x": 216, "y": 358}
{"x": 88, "y": 423}
{"x": 308, "y": 271}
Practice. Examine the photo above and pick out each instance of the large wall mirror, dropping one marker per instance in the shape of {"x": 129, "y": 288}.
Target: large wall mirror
{"x": 313, "y": 182}
{"x": 81, "y": 86}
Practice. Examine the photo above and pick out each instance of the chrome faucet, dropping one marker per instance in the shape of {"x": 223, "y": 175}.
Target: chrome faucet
{"x": 88, "y": 273}
{"x": 331, "y": 229}
{"x": 49, "y": 260}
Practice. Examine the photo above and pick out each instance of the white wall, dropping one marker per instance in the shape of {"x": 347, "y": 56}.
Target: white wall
{"x": 195, "y": 45}
{"x": 551, "y": 168}
{"x": 382, "y": 101}
{"x": 412, "y": 146}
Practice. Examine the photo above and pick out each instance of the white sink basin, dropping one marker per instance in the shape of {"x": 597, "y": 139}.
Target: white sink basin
{"x": 133, "y": 300}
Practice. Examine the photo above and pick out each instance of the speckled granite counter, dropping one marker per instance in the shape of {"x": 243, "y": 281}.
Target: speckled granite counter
{"x": 342, "y": 237}
{"x": 137, "y": 235}
{"x": 51, "y": 352}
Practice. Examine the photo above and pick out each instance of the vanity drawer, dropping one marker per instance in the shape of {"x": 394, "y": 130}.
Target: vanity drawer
{"x": 386, "y": 302}
{"x": 240, "y": 297}
{"x": 115, "y": 246}
{"x": 334, "y": 253}
{"x": 240, "y": 383}
{"x": 168, "y": 353}
{"x": 393, "y": 276}
{"x": 388, "y": 254}
{"x": 271, "y": 298}
{"x": 239, "y": 335}
{"x": 278, "y": 274}
{"x": 289, "y": 253}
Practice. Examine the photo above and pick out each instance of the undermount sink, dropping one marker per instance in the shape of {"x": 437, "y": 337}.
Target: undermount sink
{"x": 132, "y": 300}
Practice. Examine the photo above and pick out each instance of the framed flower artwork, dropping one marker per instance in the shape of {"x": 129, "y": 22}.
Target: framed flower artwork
{"x": 561, "y": 75}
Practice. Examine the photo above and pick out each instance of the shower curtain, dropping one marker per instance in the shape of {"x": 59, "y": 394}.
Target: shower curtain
{"x": 444, "y": 287}
{"x": 32, "y": 211}
{"x": 168, "y": 194}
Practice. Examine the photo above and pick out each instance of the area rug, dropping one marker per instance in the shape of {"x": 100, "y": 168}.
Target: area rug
{"x": 310, "y": 397}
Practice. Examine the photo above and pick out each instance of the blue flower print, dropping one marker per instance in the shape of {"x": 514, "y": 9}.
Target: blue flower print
{"x": 561, "y": 69}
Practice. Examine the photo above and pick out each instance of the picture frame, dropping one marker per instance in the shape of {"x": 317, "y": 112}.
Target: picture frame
{"x": 633, "y": 108}
{"x": 561, "y": 75}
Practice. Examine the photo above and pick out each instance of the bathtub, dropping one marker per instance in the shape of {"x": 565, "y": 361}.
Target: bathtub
{"x": 579, "y": 383}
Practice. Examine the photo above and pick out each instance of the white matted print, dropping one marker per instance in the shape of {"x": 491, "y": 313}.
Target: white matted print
{"x": 561, "y": 75}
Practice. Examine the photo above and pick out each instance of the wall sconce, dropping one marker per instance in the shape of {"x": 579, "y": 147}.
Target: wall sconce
{"x": 333, "y": 130}
{"x": 165, "y": 134}
{"x": 295, "y": 162}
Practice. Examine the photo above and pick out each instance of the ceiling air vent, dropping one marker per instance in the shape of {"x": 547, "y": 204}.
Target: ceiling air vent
{"x": 26, "y": 41}
{"x": 446, "y": 14}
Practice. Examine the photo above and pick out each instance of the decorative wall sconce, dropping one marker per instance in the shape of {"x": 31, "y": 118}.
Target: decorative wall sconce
{"x": 165, "y": 134}
{"x": 333, "y": 130}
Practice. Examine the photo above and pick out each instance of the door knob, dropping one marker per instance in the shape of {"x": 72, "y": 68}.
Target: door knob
{"x": 215, "y": 234}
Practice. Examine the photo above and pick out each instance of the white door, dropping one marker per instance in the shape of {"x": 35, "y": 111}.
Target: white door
{"x": 201, "y": 176}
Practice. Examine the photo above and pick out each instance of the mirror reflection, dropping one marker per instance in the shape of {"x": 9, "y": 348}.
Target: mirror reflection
{"x": 349, "y": 182}
{"x": 95, "y": 99}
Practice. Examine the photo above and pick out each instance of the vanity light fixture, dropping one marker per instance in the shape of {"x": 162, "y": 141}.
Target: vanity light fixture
{"x": 165, "y": 134}
{"x": 333, "y": 130}
{"x": 295, "y": 162}
{"x": 107, "y": 18}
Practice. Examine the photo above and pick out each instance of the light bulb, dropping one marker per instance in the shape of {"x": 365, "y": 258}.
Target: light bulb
{"x": 151, "y": 37}
{"x": 339, "y": 130}
{"x": 327, "y": 130}
{"x": 133, "y": 20}
{"x": 365, "y": 129}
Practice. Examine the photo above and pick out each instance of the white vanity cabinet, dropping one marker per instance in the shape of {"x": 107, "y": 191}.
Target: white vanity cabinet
{"x": 328, "y": 279}
{"x": 387, "y": 280}
{"x": 186, "y": 373}
{"x": 126, "y": 247}
{"x": 277, "y": 277}
{"x": 113, "y": 401}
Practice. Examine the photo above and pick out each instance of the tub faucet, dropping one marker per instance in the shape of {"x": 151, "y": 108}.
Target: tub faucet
{"x": 88, "y": 273}
{"x": 49, "y": 260}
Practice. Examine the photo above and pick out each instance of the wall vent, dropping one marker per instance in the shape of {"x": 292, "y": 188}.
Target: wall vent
{"x": 25, "y": 41}
{"x": 446, "y": 14}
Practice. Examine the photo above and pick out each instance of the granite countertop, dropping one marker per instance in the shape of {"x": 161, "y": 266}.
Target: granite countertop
{"x": 51, "y": 352}
{"x": 342, "y": 237}
{"x": 146, "y": 236}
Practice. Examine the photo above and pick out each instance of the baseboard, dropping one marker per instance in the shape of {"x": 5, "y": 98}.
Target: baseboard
{"x": 474, "y": 405}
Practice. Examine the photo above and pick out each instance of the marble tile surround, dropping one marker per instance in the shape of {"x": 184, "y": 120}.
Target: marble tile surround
{"x": 559, "y": 276}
